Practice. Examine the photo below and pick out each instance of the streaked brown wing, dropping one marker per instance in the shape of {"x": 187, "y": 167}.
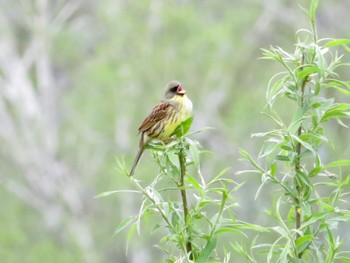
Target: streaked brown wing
{"x": 158, "y": 113}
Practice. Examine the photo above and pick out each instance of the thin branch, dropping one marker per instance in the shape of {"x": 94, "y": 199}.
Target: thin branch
{"x": 298, "y": 212}
{"x": 182, "y": 160}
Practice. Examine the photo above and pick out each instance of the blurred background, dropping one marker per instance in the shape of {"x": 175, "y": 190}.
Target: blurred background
{"x": 77, "y": 77}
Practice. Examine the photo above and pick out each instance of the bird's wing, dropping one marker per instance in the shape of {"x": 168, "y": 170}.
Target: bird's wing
{"x": 157, "y": 114}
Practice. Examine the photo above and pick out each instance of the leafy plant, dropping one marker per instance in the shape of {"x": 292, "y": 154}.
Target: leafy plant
{"x": 191, "y": 227}
{"x": 309, "y": 203}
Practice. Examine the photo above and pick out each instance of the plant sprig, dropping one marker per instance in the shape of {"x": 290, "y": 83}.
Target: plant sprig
{"x": 201, "y": 212}
{"x": 291, "y": 158}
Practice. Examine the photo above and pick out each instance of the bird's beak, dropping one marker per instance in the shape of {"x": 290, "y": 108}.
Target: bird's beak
{"x": 180, "y": 91}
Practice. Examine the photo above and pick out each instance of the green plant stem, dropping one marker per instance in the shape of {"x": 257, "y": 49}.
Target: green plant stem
{"x": 158, "y": 206}
{"x": 182, "y": 161}
{"x": 298, "y": 212}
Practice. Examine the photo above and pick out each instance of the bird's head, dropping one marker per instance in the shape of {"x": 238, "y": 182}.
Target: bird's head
{"x": 172, "y": 89}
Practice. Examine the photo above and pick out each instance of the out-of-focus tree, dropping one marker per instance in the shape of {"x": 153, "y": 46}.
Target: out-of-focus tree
{"x": 77, "y": 78}
{"x": 31, "y": 117}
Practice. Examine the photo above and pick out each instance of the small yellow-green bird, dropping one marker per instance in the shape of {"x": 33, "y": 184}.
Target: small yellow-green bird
{"x": 175, "y": 108}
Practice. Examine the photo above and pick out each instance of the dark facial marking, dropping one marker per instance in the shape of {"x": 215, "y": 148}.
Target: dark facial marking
{"x": 174, "y": 89}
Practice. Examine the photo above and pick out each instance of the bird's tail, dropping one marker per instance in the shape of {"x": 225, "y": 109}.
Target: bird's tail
{"x": 138, "y": 156}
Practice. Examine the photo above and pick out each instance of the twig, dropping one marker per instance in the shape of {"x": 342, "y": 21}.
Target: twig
{"x": 156, "y": 204}
{"x": 298, "y": 212}
{"x": 182, "y": 160}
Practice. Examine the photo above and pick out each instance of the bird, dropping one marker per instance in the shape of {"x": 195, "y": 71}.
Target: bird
{"x": 164, "y": 118}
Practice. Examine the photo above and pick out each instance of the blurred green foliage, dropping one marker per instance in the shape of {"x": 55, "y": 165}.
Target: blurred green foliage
{"x": 111, "y": 60}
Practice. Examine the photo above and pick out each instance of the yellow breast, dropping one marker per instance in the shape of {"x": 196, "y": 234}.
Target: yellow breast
{"x": 183, "y": 106}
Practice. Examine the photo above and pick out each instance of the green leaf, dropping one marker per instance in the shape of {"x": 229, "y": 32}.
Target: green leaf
{"x": 336, "y": 83}
{"x": 208, "y": 249}
{"x": 273, "y": 169}
{"x": 341, "y": 86}
{"x": 130, "y": 234}
{"x": 247, "y": 156}
{"x": 175, "y": 217}
{"x": 316, "y": 217}
{"x": 227, "y": 229}
{"x": 183, "y": 128}
{"x": 172, "y": 161}
{"x": 192, "y": 181}
{"x": 272, "y": 133}
{"x": 303, "y": 242}
{"x": 243, "y": 225}
{"x": 297, "y": 119}
{"x": 312, "y": 11}
{"x": 337, "y": 42}
{"x": 330, "y": 239}
{"x": 303, "y": 179}
{"x": 271, "y": 54}
{"x": 107, "y": 193}
{"x": 123, "y": 224}
{"x": 306, "y": 71}
{"x": 314, "y": 138}
{"x": 270, "y": 149}
{"x": 282, "y": 231}
{"x": 342, "y": 123}
{"x": 304, "y": 144}
{"x": 274, "y": 91}
{"x": 338, "y": 163}
{"x": 243, "y": 251}
{"x": 315, "y": 171}
{"x": 218, "y": 177}
{"x": 275, "y": 118}
{"x": 338, "y": 110}
{"x": 343, "y": 259}
{"x": 343, "y": 91}
{"x": 282, "y": 158}
{"x": 264, "y": 181}
{"x": 194, "y": 152}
